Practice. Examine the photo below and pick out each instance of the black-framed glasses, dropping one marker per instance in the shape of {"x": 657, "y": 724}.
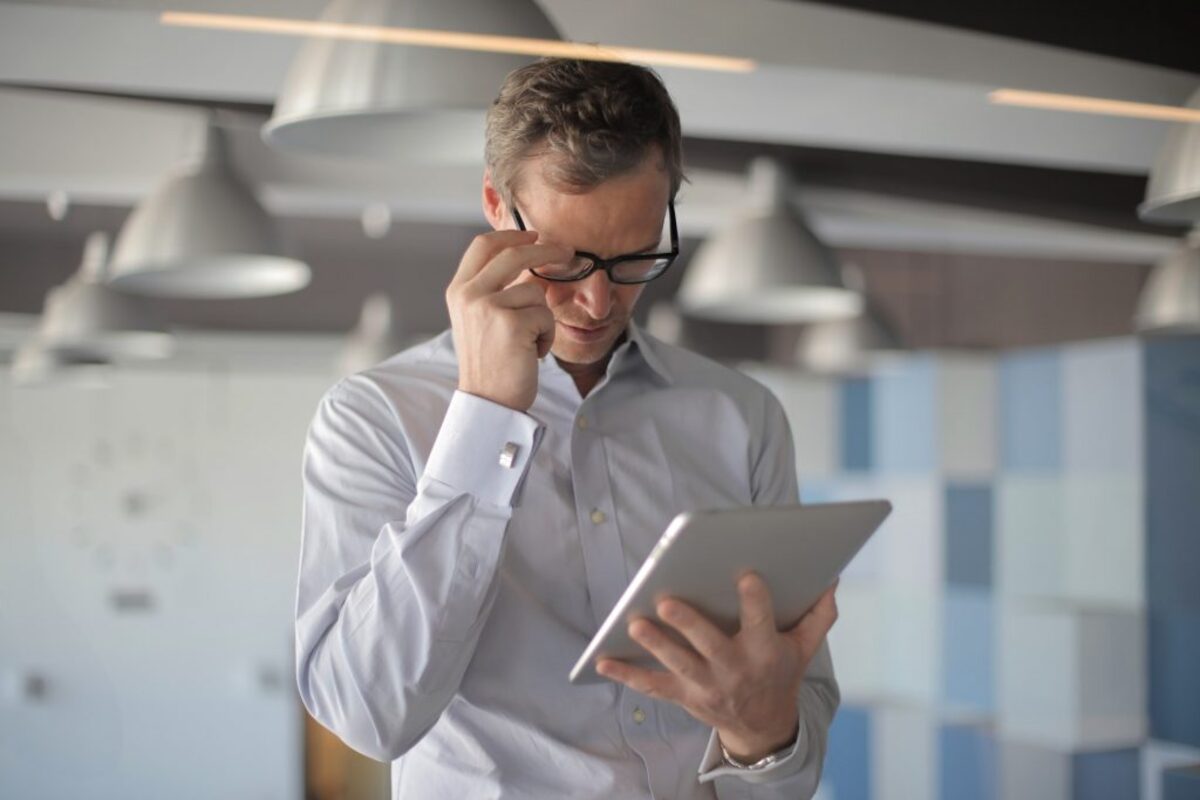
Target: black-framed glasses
{"x": 633, "y": 268}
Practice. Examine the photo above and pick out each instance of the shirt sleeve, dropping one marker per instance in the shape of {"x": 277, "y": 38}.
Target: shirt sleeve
{"x": 797, "y": 773}
{"x": 398, "y": 570}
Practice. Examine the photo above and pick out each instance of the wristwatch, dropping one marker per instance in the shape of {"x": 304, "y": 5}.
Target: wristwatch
{"x": 762, "y": 763}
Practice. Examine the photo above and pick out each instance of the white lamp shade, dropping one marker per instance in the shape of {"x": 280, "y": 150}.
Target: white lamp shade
{"x": 1173, "y": 191}
{"x": 380, "y": 101}
{"x": 203, "y": 234}
{"x": 374, "y": 339}
{"x": 767, "y": 267}
{"x": 84, "y": 315}
{"x": 845, "y": 346}
{"x": 1170, "y": 300}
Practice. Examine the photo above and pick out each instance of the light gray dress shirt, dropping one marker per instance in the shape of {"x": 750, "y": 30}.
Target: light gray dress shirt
{"x": 457, "y": 556}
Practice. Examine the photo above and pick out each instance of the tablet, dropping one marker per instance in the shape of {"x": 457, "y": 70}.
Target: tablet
{"x": 798, "y": 550}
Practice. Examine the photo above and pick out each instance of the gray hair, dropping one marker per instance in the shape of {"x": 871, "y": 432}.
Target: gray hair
{"x": 600, "y": 119}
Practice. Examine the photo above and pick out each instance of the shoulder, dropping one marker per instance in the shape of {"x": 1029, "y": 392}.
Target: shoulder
{"x": 692, "y": 371}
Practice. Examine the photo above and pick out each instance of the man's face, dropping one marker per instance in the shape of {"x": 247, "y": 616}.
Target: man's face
{"x": 622, "y": 215}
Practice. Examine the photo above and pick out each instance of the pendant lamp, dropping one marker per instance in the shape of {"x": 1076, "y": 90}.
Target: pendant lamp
{"x": 1173, "y": 191}
{"x": 1170, "y": 300}
{"x": 84, "y": 315}
{"x": 203, "y": 234}
{"x": 374, "y": 339}
{"x": 767, "y": 266}
{"x": 845, "y": 346}
{"x": 386, "y": 102}
{"x": 35, "y": 363}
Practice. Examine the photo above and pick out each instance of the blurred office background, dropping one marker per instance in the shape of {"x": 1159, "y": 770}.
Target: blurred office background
{"x": 983, "y": 306}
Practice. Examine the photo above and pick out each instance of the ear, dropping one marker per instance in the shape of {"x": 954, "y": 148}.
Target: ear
{"x": 495, "y": 210}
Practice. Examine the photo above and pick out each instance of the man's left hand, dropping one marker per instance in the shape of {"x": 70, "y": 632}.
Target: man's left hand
{"x": 744, "y": 685}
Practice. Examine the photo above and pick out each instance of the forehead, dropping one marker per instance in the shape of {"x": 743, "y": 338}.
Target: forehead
{"x": 623, "y": 214}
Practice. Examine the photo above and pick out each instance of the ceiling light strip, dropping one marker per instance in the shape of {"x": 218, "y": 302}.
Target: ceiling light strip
{"x": 1093, "y": 105}
{"x": 457, "y": 40}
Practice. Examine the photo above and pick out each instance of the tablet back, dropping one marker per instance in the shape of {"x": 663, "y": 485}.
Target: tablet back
{"x": 798, "y": 550}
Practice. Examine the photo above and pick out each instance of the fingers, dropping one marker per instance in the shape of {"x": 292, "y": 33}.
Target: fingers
{"x": 813, "y": 627}
{"x": 679, "y": 660}
{"x": 506, "y": 265}
{"x": 652, "y": 683}
{"x": 521, "y": 295}
{"x": 520, "y": 310}
{"x": 535, "y": 324}
{"x": 486, "y": 246}
{"x": 757, "y": 612}
{"x": 708, "y": 640}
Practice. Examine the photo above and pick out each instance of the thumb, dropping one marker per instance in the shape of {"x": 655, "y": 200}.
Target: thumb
{"x": 545, "y": 341}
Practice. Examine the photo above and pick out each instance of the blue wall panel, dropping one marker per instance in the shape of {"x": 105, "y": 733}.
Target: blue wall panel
{"x": 1172, "y": 375}
{"x": 1174, "y": 676}
{"x": 1173, "y": 473}
{"x": 967, "y": 763}
{"x": 1031, "y": 411}
{"x": 904, "y": 410}
{"x": 1108, "y": 775}
{"x": 969, "y": 535}
{"x": 855, "y": 407}
{"x": 1181, "y": 783}
{"x": 968, "y": 627}
{"x": 848, "y": 759}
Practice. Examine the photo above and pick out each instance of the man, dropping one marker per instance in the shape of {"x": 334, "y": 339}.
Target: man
{"x": 474, "y": 507}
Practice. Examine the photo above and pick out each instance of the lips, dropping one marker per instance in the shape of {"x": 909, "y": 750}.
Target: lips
{"x": 585, "y": 334}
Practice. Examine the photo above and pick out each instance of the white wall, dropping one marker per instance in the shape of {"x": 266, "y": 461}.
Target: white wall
{"x": 181, "y": 487}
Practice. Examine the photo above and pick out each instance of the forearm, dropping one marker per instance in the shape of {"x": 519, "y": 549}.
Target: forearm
{"x": 396, "y": 579}
{"x": 378, "y": 661}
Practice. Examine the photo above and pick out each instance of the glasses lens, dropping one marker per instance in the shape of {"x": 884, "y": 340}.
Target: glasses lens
{"x": 641, "y": 270}
{"x": 565, "y": 271}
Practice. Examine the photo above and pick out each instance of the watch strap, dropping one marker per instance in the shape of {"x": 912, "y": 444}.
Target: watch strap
{"x": 762, "y": 763}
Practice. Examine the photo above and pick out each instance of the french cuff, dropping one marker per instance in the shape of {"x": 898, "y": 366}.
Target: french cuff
{"x": 713, "y": 765}
{"x": 484, "y": 449}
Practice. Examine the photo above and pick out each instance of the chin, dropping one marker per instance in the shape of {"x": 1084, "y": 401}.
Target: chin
{"x": 575, "y": 353}
{"x": 582, "y": 352}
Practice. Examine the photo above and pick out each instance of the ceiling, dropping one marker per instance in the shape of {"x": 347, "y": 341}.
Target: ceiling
{"x": 1161, "y": 32}
{"x": 903, "y": 163}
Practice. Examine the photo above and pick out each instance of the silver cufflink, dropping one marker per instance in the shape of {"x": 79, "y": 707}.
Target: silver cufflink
{"x": 508, "y": 455}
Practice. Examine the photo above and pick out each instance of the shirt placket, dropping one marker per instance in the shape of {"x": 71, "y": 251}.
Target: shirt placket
{"x": 607, "y": 576}
{"x": 603, "y": 557}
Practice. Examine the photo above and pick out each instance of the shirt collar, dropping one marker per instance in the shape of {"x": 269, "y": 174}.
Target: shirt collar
{"x": 646, "y": 348}
{"x": 637, "y": 349}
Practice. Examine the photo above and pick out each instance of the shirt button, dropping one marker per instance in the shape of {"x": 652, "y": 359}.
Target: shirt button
{"x": 582, "y": 422}
{"x": 598, "y": 517}
{"x": 639, "y": 716}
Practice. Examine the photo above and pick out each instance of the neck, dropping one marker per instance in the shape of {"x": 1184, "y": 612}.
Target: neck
{"x": 586, "y": 376}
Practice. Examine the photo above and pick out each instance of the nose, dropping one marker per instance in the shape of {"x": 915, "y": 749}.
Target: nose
{"x": 594, "y": 294}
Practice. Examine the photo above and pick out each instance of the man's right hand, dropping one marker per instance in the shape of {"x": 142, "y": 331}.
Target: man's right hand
{"x": 501, "y": 327}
